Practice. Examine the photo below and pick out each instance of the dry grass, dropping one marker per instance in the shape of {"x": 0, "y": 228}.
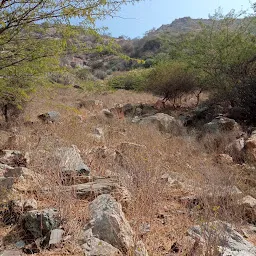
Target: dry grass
{"x": 139, "y": 168}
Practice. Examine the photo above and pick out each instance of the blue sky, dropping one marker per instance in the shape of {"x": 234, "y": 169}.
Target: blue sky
{"x": 143, "y": 16}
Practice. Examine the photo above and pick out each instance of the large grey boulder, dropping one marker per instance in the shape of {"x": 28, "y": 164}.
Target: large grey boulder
{"x": 94, "y": 188}
{"x": 110, "y": 224}
{"x": 50, "y": 117}
{"x": 164, "y": 123}
{"x": 221, "y": 124}
{"x": 97, "y": 247}
{"x": 70, "y": 160}
{"x": 40, "y": 223}
{"x": 107, "y": 113}
{"x": 229, "y": 241}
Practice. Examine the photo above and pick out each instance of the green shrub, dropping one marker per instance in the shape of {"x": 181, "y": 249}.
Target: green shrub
{"x": 132, "y": 80}
{"x": 84, "y": 74}
{"x": 171, "y": 80}
{"x": 100, "y": 74}
{"x": 62, "y": 78}
{"x": 243, "y": 99}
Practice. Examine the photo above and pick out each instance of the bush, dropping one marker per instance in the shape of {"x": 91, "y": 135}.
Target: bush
{"x": 97, "y": 64}
{"x": 243, "y": 99}
{"x": 100, "y": 74}
{"x": 84, "y": 74}
{"x": 171, "y": 80}
{"x": 62, "y": 78}
{"x": 132, "y": 80}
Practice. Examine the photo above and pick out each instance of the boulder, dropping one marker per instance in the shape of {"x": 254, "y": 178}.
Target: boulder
{"x": 23, "y": 178}
{"x": 97, "y": 247}
{"x": 40, "y": 223}
{"x": 221, "y": 124}
{"x": 50, "y": 117}
{"x": 94, "y": 188}
{"x": 164, "y": 123}
{"x": 56, "y": 236}
{"x": 98, "y": 134}
{"x": 250, "y": 147}
{"x": 236, "y": 149}
{"x": 128, "y": 109}
{"x": 248, "y": 204}
{"x": 140, "y": 249}
{"x": 229, "y": 241}
{"x": 107, "y": 113}
{"x": 13, "y": 158}
{"x": 224, "y": 159}
{"x": 71, "y": 161}
{"x": 110, "y": 224}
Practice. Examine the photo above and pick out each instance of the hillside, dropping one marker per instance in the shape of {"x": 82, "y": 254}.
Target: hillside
{"x": 146, "y": 48}
{"x": 127, "y": 147}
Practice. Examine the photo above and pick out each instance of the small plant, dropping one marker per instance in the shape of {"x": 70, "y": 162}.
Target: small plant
{"x": 100, "y": 74}
{"x": 133, "y": 80}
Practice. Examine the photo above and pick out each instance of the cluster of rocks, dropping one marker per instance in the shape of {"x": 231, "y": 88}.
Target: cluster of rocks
{"x": 107, "y": 233}
{"x": 218, "y": 235}
{"x": 14, "y": 173}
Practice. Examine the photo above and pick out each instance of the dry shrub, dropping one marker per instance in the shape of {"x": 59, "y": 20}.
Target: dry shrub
{"x": 217, "y": 142}
{"x": 146, "y": 156}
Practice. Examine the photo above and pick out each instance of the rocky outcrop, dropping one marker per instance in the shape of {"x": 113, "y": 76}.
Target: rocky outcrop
{"x": 164, "y": 123}
{"x": 223, "y": 235}
{"x": 40, "y": 223}
{"x": 20, "y": 178}
{"x": 50, "y": 117}
{"x": 107, "y": 113}
{"x": 96, "y": 187}
{"x": 97, "y": 247}
{"x": 221, "y": 124}
{"x": 110, "y": 224}
{"x": 70, "y": 161}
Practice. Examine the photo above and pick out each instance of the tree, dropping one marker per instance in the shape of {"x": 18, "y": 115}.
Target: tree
{"x": 224, "y": 53}
{"x": 171, "y": 80}
{"x": 33, "y": 34}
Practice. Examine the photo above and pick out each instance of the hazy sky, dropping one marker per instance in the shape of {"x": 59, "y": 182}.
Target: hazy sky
{"x": 141, "y": 17}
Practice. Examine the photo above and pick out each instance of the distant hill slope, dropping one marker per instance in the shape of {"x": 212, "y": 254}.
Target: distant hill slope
{"x": 103, "y": 64}
{"x": 182, "y": 25}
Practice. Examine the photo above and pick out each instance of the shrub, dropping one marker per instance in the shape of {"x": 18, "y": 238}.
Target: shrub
{"x": 84, "y": 74}
{"x": 243, "y": 99}
{"x": 97, "y": 64}
{"x": 62, "y": 78}
{"x": 100, "y": 74}
{"x": 171, "y": 80}
{"x": 132, "y": 80}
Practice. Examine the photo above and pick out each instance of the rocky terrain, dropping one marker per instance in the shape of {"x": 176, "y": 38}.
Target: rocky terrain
{"x": 118, "y": 173}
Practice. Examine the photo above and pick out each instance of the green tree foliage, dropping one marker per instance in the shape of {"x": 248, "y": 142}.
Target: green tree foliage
{"x": 132, "y": 80}
{"x": 224, "y": 53}
{"x": 33, "y": 34}
{"x": 172, "y": 80}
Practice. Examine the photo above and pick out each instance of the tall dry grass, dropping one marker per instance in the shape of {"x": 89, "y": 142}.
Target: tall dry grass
{"x": 146, "y": 156}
